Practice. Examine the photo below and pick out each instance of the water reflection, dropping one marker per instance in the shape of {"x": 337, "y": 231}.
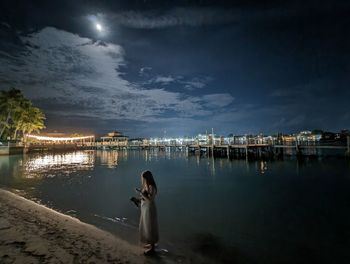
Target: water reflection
{"x": 34, "y": 166}
{"x": 150, "y": 155}
{"x": 263, "y": 166}
{"x": 198, "y": 158}
{"x": 226, "y": 201}
{"x": 213, "y": 166}
{"x": 111, "y": 159}
{"x": 5, "y": 169}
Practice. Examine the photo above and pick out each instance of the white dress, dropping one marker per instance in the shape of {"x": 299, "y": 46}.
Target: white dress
{"x": 148, "y": 219}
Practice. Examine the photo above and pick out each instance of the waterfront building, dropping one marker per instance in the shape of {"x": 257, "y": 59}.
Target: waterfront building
{"x": 203, "y": 139}
{"x": 136, "y": 141}
{"x": 115, "y": 138}
{"x": 288, "y": 139}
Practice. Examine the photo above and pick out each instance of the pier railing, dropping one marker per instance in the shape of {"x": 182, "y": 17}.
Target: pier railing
{"x": 11, "y": 148}
{"x": 246, "y": 145}
{"x": 257, "y": 145}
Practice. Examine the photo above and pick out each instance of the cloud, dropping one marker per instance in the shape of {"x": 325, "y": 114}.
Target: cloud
{"x": 196, "y": 83}
{"x": 163, "y": 80}
{"x": 69, "y": 75}
{"x": 5, "y": 24}
{"x": 189, "y": 84}
{"x": 144, "y": 71}
{"x": 176, "y": 17}
{"x": 218, "y": 100}
{"x": 196, "y": 16}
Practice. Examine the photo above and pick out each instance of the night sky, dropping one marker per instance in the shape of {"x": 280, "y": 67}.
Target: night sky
{"x": 179, "y": 68}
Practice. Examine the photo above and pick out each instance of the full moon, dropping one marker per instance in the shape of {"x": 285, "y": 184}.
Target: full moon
{"x": 98, "y": 27}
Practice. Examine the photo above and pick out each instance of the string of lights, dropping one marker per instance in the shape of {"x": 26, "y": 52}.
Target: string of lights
{"x": 46, "y": 138}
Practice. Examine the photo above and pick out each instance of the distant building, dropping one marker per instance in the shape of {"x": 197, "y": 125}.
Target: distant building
{"x": 345, "y": 132}
{"x": 203, "y": 139}
{"x": 239, "y": 139}
{"x": 327, "y": 136}
{"x": 135, "y": 141}
{"x": 309, "y": 136}
{"x": 343, "y": 135}
{"x": 288, "y": 139}
{"x": 114, "y": 138}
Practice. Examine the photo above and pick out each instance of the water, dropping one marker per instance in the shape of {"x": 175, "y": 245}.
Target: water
{"x": 226, "y": 210}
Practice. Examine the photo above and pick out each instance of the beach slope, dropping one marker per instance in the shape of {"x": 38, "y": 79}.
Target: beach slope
{"x": 32, "y": 233}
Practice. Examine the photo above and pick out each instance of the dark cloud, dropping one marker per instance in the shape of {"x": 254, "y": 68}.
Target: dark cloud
{"x": 175, "y": 17}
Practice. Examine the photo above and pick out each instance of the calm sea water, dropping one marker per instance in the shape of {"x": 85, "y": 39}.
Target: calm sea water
{"x": 229, "y": 210}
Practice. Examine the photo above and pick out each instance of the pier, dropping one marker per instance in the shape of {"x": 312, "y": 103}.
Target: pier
{"x": 248, "y": 149}
{"x": 235, "y": 147}
{"x": 11, "y": 149}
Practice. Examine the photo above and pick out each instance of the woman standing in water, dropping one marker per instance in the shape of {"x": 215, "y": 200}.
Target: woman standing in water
{"x": 148, "y": 219}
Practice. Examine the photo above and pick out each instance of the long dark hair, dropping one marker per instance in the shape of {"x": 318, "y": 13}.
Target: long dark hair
{"x": 147, "y": 175}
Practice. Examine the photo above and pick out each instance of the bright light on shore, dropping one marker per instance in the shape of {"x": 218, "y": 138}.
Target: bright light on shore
{"x": 58, "y": 138}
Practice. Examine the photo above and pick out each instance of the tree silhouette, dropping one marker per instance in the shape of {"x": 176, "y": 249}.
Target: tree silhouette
{"x": 18, "y": 115}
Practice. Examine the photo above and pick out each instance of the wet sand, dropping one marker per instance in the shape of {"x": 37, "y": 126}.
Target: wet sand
{"x": 32, "y": 233}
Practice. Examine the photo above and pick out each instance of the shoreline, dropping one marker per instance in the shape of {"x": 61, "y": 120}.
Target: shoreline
{"x": 33, "y": 233}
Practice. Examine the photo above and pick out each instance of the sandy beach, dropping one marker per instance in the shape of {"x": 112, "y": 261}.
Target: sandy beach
{"x": 32, "y": 233}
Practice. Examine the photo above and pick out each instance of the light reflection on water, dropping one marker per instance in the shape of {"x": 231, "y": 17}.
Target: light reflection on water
{"x": 111, "y": 159}
{"x": 262, "y": 208}
{"x": 79, "y": 160}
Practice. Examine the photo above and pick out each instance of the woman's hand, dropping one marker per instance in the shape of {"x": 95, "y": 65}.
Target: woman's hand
{"x": 145, "y": 194}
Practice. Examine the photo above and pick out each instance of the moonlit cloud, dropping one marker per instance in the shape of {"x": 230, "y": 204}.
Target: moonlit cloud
{"x": 98, "y": 24}
{"x": 218, "y": 100}
{"x": 175, "y": 17}
{"x": 74, "y": 76}
{"x": 188, "y": 84}
{"x": 144, "y": 70}
{"x": 163, "y": 79}
{"x": 196, "y": 83}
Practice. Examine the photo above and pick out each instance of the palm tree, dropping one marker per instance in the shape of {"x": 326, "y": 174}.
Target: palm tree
{"x": 18, "y": 114}
{"x": 10, "y": 103}
{"x": 32, "y": 119}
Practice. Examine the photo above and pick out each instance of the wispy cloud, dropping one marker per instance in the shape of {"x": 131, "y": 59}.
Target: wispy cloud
{"x": 196, "y": 83}
{"x": 175, "y": 17}
{"x": 163, "y": 79}
{"x": 218, "y": 100}
{"x": 5, "y": 24}
{"x": 144, "y": 71}
{"x": 188, "y": 84}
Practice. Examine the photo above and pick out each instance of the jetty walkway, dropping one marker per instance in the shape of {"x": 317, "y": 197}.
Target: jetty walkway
{"x": 246, "y": 149}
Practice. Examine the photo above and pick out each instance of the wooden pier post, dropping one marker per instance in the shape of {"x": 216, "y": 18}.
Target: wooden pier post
{"x": 297, "y": 149}
{"x": 280, "y": 153}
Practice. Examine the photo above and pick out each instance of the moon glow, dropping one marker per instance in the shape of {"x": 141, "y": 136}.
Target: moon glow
{"x": 98, "y": 27}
